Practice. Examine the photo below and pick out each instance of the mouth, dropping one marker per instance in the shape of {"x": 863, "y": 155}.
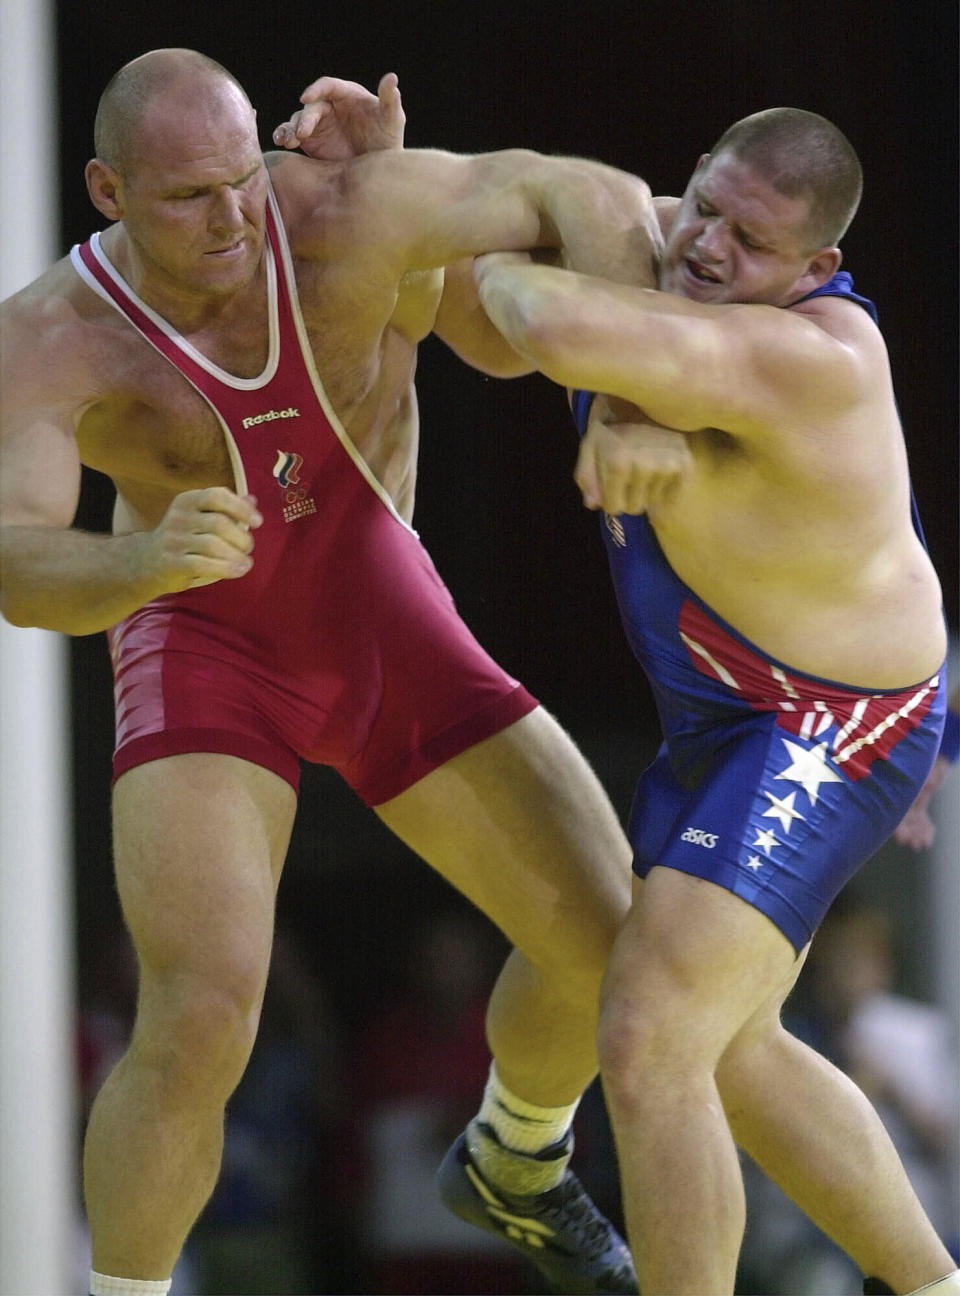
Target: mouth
{"x": 234, "y": 249}
{"x": 697, "y": 270}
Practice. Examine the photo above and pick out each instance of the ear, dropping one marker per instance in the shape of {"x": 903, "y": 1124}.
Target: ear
{"x": 105, "y": 188}
{"x": 702, "y": 161}
{"x": 821, "y": 267}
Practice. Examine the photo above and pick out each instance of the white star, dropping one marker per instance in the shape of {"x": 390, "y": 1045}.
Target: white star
{"x": 766, "y": 840}
{"x": 808, "y": 767}
{"x": 782, "y": 809}
{"x": 755, "y": 862}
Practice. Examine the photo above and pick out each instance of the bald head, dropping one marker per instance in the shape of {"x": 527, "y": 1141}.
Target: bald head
{"x": 191, "y": 80}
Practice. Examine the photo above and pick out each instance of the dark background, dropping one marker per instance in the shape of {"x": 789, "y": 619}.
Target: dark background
{"x": 648, "y": 87}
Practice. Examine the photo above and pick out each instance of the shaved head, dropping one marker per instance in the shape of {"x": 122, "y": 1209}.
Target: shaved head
{"x": 196, "y": 82}
{"x": 802, "y": 155}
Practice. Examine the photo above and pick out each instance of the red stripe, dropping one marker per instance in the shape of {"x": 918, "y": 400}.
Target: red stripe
{"x": 802, "y": 703}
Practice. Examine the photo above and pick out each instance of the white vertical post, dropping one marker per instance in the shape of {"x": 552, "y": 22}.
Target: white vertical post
{"x": 38, "y": 1175}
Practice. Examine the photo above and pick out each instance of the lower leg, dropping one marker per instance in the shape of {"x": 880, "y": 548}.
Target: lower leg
{"x": 817, "y": 1136}
{"x": 149, "y": 1167}
{"x": 682, "y": 1187}
{"x": 544, "y": 1042}
{"x": 544, "y": 1057}
{"x": 690, "y": 966}
{"x": 199, "y": 841}
{"x": 521, "y": 826}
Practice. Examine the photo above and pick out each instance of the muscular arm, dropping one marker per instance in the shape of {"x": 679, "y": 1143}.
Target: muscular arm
{"x": 602, "y": 221}
{"x": 387, "y": 213}
{"x": 52, "y": 575}
{"x": 69, "y": 580}
{"x": 59, "y": 578}
{"x": 743, "y": 368}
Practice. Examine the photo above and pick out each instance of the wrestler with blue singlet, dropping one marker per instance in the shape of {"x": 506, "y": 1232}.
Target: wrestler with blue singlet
{"x": 707, "y": 679}
{"x": 748, "y": 457}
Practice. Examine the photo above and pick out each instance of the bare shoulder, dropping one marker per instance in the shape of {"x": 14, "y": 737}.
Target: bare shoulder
{"x": 49, "y": 332}
{"x": 327, "y": 203}
{"x": 667, "y": 210}
{"x": 308, "y": 193}
{"x": 846, "y": 334}
{"x": 45, "y": 304}
{"x": 840, "y": 318}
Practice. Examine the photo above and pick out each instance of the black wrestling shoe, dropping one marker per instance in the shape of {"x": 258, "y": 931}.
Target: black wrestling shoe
{"x": 876, "y": 1287}
{"x": 560, "y": 1231}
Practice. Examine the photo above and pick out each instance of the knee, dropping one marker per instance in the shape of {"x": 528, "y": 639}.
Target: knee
{"x": 633, "y": 1043}
{"x": 655, "y": 1033}
{"x": 197, "y": 1030}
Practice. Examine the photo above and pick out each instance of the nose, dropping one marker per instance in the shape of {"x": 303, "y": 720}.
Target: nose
{"x": 711, "y": 244}
{"x": 226, "y": 216}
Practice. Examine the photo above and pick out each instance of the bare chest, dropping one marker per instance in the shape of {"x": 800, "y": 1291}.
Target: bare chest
{"x": 147, "y": 423}
{"x": 157, "y": 430}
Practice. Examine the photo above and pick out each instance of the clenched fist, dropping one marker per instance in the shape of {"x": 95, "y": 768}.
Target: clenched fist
{"x": 205, "y": 536}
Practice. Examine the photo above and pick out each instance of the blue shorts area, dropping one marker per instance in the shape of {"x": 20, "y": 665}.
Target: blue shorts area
{"x": 772, "y": 783}
{"x": 770, "y": 815}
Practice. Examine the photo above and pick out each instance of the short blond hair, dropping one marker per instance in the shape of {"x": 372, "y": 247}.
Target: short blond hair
{"x": 803, "y": 155}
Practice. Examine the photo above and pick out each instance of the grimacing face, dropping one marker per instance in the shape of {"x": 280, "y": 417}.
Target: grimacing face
{"x": 737, "y": 239}
{"x": 194, "y": 197}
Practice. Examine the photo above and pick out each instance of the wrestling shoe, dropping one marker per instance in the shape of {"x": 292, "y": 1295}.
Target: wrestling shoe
{"x": 560, "y": 1231}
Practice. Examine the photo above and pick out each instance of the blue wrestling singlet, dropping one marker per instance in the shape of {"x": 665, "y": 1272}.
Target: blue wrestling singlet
{"x": 770, "y": 782}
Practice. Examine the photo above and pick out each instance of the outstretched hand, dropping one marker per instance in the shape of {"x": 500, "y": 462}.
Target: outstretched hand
{"x": 627, "y": 464}
{"x": 341, "y": 119}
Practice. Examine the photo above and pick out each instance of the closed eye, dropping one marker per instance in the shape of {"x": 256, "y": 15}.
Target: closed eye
{"x": 202, "y": 191}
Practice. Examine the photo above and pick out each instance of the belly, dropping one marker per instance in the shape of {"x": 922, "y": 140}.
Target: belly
{"x": 874, "y": 623}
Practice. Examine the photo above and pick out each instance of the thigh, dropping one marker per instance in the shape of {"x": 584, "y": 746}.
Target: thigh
{"x": 521, "y": 825}
{"x": 199, "y": 843}
{"x": 693, "y": 964}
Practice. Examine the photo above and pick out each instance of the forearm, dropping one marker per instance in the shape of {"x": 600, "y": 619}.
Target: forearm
{"x": 637, "y": 343}
{"x": 73, "y": 581}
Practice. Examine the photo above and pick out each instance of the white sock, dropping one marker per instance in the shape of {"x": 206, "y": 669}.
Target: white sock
{"x": 105, "y": 1285}
{"x": 521, "y": 1125}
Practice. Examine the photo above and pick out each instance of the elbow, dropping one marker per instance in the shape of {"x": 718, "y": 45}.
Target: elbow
{"x": 549, "y": 338}
{"x": 523, "y": 313}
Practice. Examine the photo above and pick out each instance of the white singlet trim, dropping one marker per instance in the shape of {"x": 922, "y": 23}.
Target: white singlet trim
{"x": 236, "y": 462}
{"x": 221, "y": 375}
